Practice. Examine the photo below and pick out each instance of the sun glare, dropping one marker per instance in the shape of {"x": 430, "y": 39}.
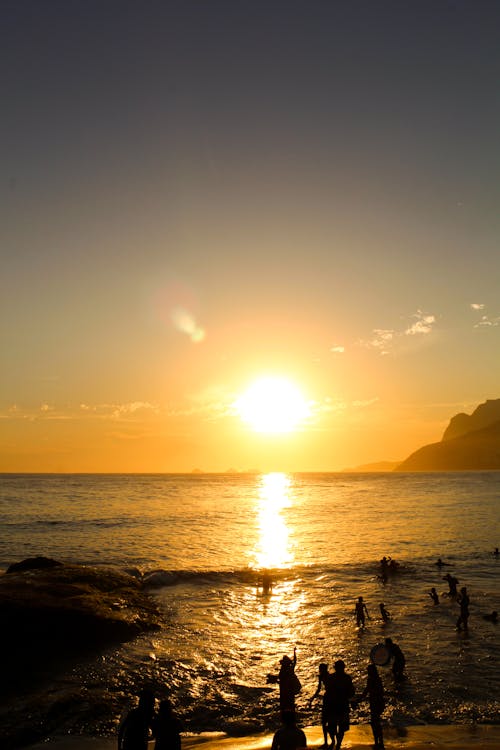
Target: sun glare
{"x": 272, "y": 405}
{"x": 272, "y": 550}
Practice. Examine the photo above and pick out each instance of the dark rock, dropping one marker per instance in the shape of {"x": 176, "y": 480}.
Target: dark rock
{"x": 56, "y": 613}
{"x": 33, "y": 563}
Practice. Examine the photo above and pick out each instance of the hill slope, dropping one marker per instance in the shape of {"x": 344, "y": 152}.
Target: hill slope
{"x": 462, "y": 448}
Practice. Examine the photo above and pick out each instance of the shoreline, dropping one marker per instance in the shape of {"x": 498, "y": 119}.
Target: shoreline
{"x": 359, "y": 737}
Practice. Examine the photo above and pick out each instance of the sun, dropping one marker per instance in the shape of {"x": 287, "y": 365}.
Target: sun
{"x": 272, "y": 404}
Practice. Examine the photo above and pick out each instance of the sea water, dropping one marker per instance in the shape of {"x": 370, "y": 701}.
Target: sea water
{"x": 204, "y": 541}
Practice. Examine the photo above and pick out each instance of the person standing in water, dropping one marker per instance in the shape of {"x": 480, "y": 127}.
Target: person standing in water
{"x": 452, "y": 584}
{"x": 384, "y": 613}
{"x": 399, "y": 661}
{"x": 322, "y": 683}
{"x": 464, "y": 601}
{"x": 359, "y": 610}
{"x": 267, "y": 583}
{"x": 288, "y": 681}
{"x": 434, "y": 595}
{"x": 375, "y": 692}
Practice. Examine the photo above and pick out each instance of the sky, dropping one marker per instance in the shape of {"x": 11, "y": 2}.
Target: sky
{"x": 196, "y": 194}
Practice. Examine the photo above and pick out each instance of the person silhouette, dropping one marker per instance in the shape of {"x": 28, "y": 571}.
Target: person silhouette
{"x": 322, "y": 681}
{"x": 339, "y": 691}
{"x": 452, "y": 584}
{"x": 464, "y": 601}
{"x": 288, "y": 682}
{"x": 289, "y": 736}
{"x": 384, "y": 613}
{"x": 384, "y": 569}
{"x": 359, "y": 610}
{"x": 133, "y": 733}
{"x": 166, "y": 728}
{"x": 375, "y": 692}
{"x": 434, "y": 595}
{"x": 267, "y": 583}
{"x": 399, "y": 661}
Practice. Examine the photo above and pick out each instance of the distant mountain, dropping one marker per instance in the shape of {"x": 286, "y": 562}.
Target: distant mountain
{"x": 378, "y": 466}
{"x": 485, "y": 415}
{"x": 470, "y": 443}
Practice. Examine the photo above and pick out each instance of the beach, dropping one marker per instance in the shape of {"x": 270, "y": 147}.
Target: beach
{"x": 473, "y": 737}
{"x": 219, "y": 636}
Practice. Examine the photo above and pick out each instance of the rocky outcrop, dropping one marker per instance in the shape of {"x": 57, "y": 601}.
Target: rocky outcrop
{"x": 484, "y": 416}
{"x": 478, "y": 450}
{"x": 53, "y": 612}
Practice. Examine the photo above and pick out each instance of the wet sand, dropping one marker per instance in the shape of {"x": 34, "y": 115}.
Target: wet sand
{"x": 359, "y": 737}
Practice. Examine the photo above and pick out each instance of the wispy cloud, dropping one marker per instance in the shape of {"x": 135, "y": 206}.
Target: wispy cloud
{"x": 383, "y": 340}
{"x": 52, "y": 412}
{"x": 422, "y": 325}
{"x": 337, "y": 349}
{"x": 486, "y": 320}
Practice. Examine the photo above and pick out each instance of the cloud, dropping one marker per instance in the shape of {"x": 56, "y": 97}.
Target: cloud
{"x": 383, "y": 340}
{"x": 132, "y": 408}
{"x": 487, "y": 322}
{"x": 337, "y": 349}
{"x": 422, "y": 325}
{"x": 82, "y": 411}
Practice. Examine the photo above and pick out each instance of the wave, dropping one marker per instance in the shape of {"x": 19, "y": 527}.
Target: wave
{"x": 161, "y": 577}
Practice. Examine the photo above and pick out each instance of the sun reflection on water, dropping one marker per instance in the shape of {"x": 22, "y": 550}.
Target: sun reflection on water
{"x": 272, "y": 550}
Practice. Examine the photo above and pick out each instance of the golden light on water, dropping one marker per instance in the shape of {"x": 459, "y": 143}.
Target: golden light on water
{"x": 272, "y": 405}
{"x": 272, "y": 548}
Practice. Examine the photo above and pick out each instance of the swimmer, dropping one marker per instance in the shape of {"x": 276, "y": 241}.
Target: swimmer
{"x": 434, "y": 595}
{"x": 440, "y": 563}
{"x": 496, "y": 552}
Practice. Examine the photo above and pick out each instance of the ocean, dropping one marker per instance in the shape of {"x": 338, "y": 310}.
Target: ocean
{"x": 203, "y": 540}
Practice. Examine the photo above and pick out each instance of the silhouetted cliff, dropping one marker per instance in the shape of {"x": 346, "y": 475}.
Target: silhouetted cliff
{"x": 485, "y": 415}
{"x": 470, "y": 443}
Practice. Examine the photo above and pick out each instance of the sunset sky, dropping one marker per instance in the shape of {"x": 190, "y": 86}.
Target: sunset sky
{"x": 195, "y": 194}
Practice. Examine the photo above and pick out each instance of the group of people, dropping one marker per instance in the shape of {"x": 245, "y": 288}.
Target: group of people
{"x": 361, "y": 612}
{"x": 462, "y": 597}
{"x": 143, "y": 722}
{"x": 387, "y": 567}
{"x": 339, "y": 696}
